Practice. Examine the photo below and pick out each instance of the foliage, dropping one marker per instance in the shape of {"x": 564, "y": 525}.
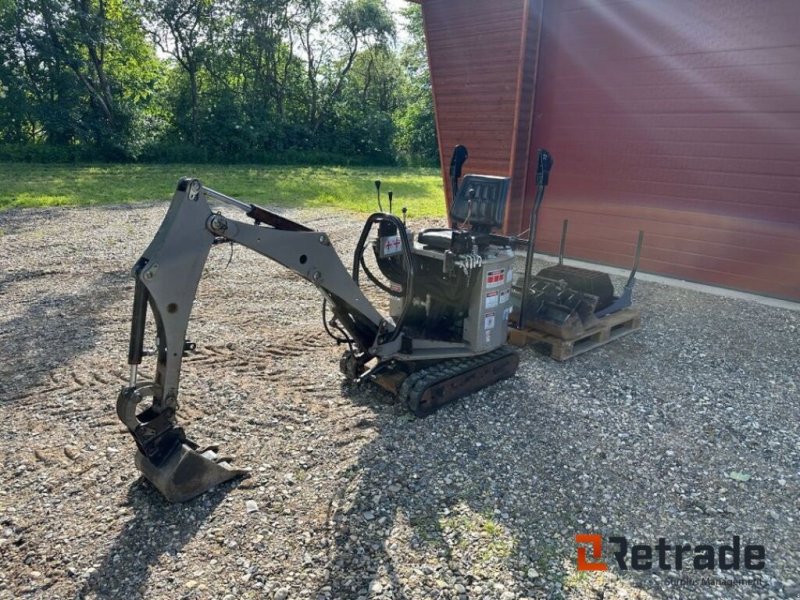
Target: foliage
{"x": 74, "y": 74}
{"x": 416, "y": 135}
{"x": 212, "y": 80}
{"x": 349, "y": 188}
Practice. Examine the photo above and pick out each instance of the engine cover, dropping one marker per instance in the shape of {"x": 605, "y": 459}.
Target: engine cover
{"x": 460, "y": 297}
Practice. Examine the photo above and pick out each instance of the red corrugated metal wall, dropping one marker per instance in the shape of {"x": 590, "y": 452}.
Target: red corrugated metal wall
{"x": 474, "y": 53}
{"x": 681, "y": 118}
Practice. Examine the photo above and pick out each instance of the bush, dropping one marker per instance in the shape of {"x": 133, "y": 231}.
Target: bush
{"x": 185, "y": 153}
{"x": 48, "y": 153}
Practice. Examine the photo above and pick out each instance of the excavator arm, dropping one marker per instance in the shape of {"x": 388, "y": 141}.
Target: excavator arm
{"x": 167, "y": 276}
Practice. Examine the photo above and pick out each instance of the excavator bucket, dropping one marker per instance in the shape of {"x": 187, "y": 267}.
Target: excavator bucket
{"x": 175, "y": 465}
{"x": 187, "y": 472}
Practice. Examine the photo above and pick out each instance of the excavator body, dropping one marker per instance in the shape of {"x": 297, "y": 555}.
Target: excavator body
{"x": 445, "y": 336}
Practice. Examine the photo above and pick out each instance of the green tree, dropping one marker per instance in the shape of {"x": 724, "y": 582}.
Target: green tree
{"x": 75, "y": 62}
{"x": 182, "y": 30}
{"x": 364, "y": 114}
{"x": 16, "y": 124}
{"x": 267, "y": 73}
{"x": 359, "y": 24}
{"x": 415, "y": 119}
{"x": 213, "y": 79}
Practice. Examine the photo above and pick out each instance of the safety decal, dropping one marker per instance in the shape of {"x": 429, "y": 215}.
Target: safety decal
{"x": 504, "y": 296}
{"x": 510, "y": 276}
{"x": 488, "y": 320}
{"x": 506, "y": 314}
{"x": 495, "y": 278}
{"x": 491, "y": 299}
{"x": 392, "y": 245}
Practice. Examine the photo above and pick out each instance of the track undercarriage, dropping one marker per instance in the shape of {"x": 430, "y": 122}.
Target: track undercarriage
{"x": 427, "y": 387}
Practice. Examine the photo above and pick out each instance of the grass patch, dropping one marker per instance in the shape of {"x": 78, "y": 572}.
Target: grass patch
{"x": 349, "y": 188}
{"x": 479, "y": 536}
{"x": 585, "y": 584}
{"x": 427, "y": 528}
{"x": 574, "y": 580}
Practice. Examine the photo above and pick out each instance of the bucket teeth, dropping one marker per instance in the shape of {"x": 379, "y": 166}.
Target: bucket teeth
{"x": 187, "y": 473}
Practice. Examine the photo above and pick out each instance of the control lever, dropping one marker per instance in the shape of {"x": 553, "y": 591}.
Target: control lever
{"x": 390, "y": 201}
{"x": 460, "y": 156}
{"x": 544, "y": 163}
{"x": 378, "y": 187}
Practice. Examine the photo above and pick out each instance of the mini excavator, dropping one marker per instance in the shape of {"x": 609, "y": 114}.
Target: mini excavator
{"x": 445, "y": 336}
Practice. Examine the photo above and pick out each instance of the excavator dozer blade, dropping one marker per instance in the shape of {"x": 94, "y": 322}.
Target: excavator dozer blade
{"x": 187, "y": 472}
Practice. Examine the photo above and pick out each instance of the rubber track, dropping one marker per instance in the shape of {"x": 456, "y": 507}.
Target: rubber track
{"x": 415, "y": 385}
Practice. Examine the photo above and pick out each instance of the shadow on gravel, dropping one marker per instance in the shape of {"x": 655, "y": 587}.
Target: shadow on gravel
{"x": 485, "y": 513}
{"x": 53, "y": 329}
{"x": 647, "y": 439}
{"x": 157, "y": 528}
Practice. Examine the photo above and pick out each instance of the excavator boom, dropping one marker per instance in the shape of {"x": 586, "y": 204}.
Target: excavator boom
{"x": 167, "y": 276}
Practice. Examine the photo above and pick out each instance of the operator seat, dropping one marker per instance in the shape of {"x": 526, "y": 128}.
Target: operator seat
{"x": 479, "y": 206}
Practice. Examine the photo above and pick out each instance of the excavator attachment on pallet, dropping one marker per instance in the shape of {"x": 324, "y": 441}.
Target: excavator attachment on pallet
{"x": 568, "y": 297}
{"x": 574, "y": 297}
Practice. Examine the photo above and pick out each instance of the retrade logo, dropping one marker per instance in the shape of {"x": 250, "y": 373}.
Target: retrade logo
{"x": 596, "y": 542}
{"x": 664, "y": 556}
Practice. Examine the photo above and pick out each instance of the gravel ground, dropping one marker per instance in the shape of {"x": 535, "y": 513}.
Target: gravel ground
{"x": 350, "y": 496}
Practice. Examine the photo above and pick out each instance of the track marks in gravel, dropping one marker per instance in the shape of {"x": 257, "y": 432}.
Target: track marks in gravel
{"x": 268, "y": 361}
{"x": 63, "y": 383}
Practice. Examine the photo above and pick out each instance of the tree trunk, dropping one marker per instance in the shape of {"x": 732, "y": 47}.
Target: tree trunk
{"x": 193, "y": 96}
{"x": 338, "y": 88}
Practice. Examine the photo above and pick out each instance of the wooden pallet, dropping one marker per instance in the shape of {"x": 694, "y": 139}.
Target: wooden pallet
{"x": 563, "y": 347}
